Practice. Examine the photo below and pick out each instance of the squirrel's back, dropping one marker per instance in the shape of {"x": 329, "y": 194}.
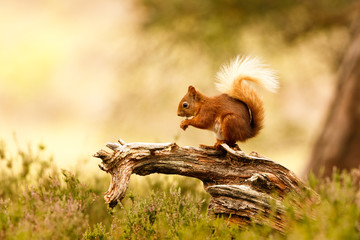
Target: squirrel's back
{"x": 234, "y": 78}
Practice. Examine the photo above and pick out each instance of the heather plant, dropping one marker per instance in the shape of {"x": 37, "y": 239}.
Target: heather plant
{"x": 174, "y": 215}
{"x": 55, "y": 208}
{"x": 337, "y": 216}
{"x": 38, "y": 201}
{"x": 169, "y": 215}
{"x": 25, "y": 167}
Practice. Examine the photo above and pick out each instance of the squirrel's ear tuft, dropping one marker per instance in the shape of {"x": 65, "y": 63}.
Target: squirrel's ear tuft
{"x": 192, "y": 90}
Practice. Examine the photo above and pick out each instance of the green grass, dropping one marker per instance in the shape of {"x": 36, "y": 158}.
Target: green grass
{"x": 39, "y": 201}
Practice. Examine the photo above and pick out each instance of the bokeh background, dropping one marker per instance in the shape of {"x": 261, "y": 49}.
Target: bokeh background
{"x": 75, "y": 75}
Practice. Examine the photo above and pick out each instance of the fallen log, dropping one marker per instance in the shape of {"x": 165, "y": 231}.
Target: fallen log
{"x": 242, "y": 187}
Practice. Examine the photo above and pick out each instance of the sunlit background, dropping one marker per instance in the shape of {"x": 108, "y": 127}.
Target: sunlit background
{"x": 75, "y": 75}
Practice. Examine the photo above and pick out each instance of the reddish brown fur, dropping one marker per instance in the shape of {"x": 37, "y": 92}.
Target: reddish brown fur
{"x": 228, "y": 117}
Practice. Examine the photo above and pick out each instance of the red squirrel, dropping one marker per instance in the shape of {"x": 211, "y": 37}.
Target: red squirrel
{"x": 238, "y": 113}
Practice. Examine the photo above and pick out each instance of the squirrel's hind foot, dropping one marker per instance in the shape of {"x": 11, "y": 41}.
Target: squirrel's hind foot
{"x": 218, "y": 146}
{"x": 207, "y": 147}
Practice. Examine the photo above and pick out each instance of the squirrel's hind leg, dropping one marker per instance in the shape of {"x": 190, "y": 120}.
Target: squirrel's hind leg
{"x": 218, "y": 143}
{"x": 218, "y": 146}
{"x": 206, "y": 146}
{"x": 234, "y": 128}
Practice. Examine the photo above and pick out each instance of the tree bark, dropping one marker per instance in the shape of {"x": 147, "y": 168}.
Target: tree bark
{"x": 339, "y": 143}
{"x": 243, "y": 187}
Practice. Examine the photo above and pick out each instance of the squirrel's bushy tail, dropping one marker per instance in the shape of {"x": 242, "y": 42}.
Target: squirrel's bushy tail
{"x": 234, "y": 78}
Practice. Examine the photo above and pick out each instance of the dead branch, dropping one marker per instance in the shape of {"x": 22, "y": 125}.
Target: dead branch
{"x": 243, "y": 187}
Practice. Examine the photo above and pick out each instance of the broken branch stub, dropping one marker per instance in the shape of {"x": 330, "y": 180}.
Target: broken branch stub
{"x": 243, "y": 187}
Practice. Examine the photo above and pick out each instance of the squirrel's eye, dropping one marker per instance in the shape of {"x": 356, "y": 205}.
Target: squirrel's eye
{"x": 185, "y": 105}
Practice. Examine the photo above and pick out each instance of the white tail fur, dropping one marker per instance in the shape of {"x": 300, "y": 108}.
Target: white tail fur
{"x": 248, "y": 69}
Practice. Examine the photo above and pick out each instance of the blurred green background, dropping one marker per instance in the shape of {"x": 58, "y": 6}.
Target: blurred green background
{"x": 75, "y": 75}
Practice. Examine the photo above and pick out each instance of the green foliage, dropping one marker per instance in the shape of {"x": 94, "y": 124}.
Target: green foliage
{"x": 338, "y": 214}
{"x": 163, "y": 216}
{"x": 215, "y": 21}
{"x": 39, "y": 202}
{"x": 25, "y": 167}
{"x": 57, "y": 205}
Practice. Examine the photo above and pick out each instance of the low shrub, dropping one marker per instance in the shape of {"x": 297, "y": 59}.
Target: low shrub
{"x": 38, "y": 201}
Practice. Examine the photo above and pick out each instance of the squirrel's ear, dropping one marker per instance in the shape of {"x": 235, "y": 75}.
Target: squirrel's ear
{"x": 192, "y": 90}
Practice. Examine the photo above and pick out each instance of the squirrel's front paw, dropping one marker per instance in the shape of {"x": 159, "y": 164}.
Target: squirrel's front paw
{"x": 184, "y": 125}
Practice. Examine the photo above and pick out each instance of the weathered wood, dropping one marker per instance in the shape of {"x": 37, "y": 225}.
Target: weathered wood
{"x": 244, "y": 187}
